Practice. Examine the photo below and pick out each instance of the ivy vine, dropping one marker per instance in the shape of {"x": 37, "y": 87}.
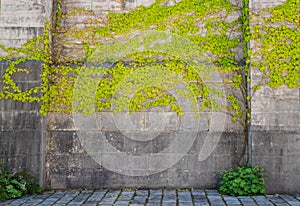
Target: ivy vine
{"x": 277, "y": 38}
{"x": 184, "y": 19}
{"x": 209, "y": 24}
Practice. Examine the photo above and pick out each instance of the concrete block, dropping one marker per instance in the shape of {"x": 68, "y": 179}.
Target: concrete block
{"x": 273, "y": 104}
{"x": 276, "y": 121}
{"x": 12, "y": 43}
{"x": 21, "y": 120}
{"x": 4, "y": 140}
{"x": 59, "y": 121}
{"x": 278, "y": 156}
{"x": 22, "y": 20}
{"x": 277, "y": 144}
{"x": 67, "y": 138}
{"x": 26, "y": 19}
{"x": 293, "y": 146}
{"x": 22, "y": 6}
{"x": 58, "y": 181}
{"x": 258, "y": 5}
{"x": 34, "y": 70}
{"x": 107, "y": 121}
{"x": 7, "y": 121}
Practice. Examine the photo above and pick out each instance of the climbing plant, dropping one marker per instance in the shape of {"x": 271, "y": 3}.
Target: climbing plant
{"x": 37, "y": 49}
{"x": 218, "y": 27}
{"x": 183, "y": 19}
{"x": 276, "y": 34}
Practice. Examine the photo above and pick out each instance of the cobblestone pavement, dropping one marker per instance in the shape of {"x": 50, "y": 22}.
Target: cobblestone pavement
{"x": 150, "y": 198}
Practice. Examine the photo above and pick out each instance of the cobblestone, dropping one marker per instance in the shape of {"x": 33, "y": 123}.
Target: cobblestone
{"x": 165, "y": 197}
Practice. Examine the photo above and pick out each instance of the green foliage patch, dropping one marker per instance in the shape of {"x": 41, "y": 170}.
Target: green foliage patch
{"x": 242, "y": 181}
{"x": 183, "y": 19}
{"x": 277, "y": 37}
{"x": 16, "y": 185}
{"x": 207, "y": 24}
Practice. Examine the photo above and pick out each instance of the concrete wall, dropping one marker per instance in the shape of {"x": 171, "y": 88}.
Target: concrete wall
{"x": 22, "y": 20}
{"x": 25, "y": 138}
{"x": 69, "y": 164}
{"x": 22, "y": 130}
{"x": 276, "y": 128}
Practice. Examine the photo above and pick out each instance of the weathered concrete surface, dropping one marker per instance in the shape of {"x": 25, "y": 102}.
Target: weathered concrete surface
{"x": 276, "y": 138}
{"x": 71, "y": 47}
{"x": 275, "y": 122}
{"x": 271, "y": 115}
{"x": 22, "y": 20}
{"x": 69, "y": 165}
{"x": 276, "y": 128}
{"x": 22, "y": 128}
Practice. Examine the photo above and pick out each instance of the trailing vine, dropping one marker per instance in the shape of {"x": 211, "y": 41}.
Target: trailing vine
{"x": 184, "y": 19}
{"x": 37, "y": 49}
{"x": 277, "y": 37}
{"x": 208, "y": 24}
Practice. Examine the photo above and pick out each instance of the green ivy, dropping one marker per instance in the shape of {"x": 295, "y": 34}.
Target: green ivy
{"x": 279, "y": 48}
{"x": 278, "y": 37}
{"x": 181, "y": 19}
{"x": 58, "y": 14}
{"x": 37, "y": 49}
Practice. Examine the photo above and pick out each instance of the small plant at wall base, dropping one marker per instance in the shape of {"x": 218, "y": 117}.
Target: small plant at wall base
{"x": 246, "y": 180}
{"x": 15, "y": 185}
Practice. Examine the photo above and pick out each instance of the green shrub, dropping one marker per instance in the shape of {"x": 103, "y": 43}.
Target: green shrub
{"x": 246, "y": 180}
{"x": 17, "y": 184}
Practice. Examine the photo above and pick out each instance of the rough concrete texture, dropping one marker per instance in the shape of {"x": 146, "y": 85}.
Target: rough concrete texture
{"x": 69, "y": 165}
{"x": 275, "y": 119}
{"x": 276, "y": 127}
{"x": 72, "y": 48}
{"x": 22, "y": 20}
{"x": 22, "y": 127}
{"x": 276, "y": 137}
